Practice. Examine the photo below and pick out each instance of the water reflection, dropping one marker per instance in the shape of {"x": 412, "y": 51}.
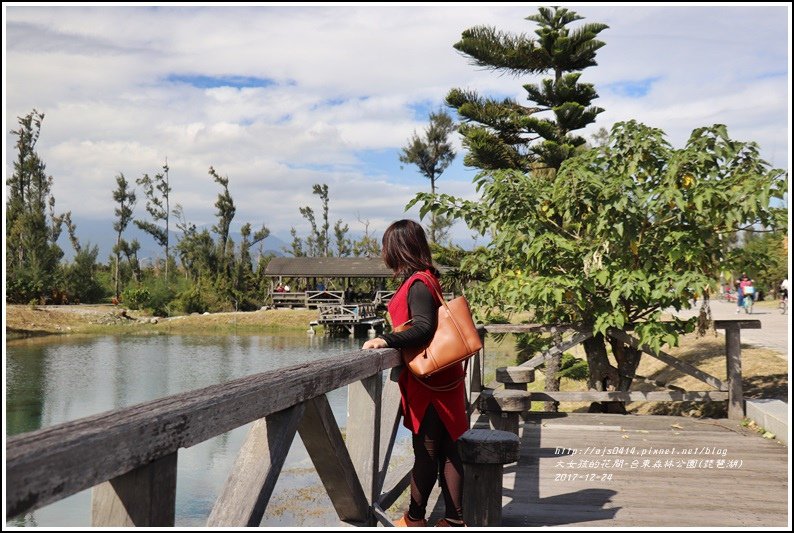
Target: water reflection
{"x": 50, "y": 381}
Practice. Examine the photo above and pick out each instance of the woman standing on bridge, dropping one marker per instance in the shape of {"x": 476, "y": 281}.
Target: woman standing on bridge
{"x": 436, "y": 416}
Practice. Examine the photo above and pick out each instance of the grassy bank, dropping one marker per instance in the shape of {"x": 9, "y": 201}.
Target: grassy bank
{"x": 26, "y": 320}
{"x": 765, "y": 374}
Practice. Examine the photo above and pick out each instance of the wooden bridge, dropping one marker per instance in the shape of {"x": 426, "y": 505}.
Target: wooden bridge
{"x": 308, "y": 299}
{"x": 348, "y": 317}
{"x": 562, "y": 477}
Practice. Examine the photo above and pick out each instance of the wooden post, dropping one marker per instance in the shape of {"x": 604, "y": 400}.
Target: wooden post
{"x": 363, "y": 431}
{"x": 477, "y": 363}
{"x": 504, "y": 407}
{"x": 390, "y": 422}
{"x": 474, "y": 378}
{"x": 144, "y": 497}
{"x": 251, "y": 482}
{"x": 733, "y": 356}
{"x": 515, "y": 377}
{"x": 483, "y": 453}
{"x": 323, "y": 441}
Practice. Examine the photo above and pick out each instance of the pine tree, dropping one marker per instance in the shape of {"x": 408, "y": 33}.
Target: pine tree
{"x": 225, "y": 214}
{"x": 503, "y": 134}
{"x": 125, "y": 198}
{"x": 157, "y": 191}
{"x": 432, "y": 154}
{"x": 32, "y": 252}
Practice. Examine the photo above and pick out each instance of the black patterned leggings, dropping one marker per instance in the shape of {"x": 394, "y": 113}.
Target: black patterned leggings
{"x": 435, "y": 458}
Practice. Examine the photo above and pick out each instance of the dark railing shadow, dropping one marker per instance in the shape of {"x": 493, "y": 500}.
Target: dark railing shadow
{"x": 528, "y": 508}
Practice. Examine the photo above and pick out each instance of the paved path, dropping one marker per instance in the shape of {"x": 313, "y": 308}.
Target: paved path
{"x": 775, "y": 332}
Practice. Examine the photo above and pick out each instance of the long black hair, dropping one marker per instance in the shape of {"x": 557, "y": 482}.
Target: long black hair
{"x": 405, "y": 249}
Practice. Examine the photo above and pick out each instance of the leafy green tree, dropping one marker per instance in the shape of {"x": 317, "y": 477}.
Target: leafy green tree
{"x": 157, "y": 191}
{"x": 764, "y": 257}
{"x": 621, "y": 233}
{"x": 432, "y": 154}
{"x": 344, "y": 246}
{"x": 296, "y": 246}
{"x": 130, "y": 250}
{"x": 81, "y": 281}
{"x": 124, "y": 196}
{"x": 601, "y": 137}
{"x": 317, "y": 242}
{"x": 322, "y": 237}
{"x": 222, "y": 276}
{"x": 502, "y": 134}
{"x": 367, "y": 245}
{"x": 225, "y": 213}
{"x": 245, "y": 282}
{"x": 32, "y": 252}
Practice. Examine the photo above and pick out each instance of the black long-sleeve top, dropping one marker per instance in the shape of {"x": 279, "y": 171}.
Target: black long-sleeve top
{"x": 424, "y": 313}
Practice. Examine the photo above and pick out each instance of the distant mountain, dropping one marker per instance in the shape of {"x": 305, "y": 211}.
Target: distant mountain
{"x": 100, "y": 233}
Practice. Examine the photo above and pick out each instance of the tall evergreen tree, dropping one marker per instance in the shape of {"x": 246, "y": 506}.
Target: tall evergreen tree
{"x": 318, "y": 241}
{"x": 157, "y": 191}
{"x": 432, "y": 154}
{"x": 225, "y": 214}
{"x": 344, "y": 246}
{"x": 245, "y": 282}
{"x": 32, "y": 252}
{"x": 124, "y": 196}
{"x": 296, "y": 246}
{"x": 323, "y": 239}
{"x": 503, "y": 134}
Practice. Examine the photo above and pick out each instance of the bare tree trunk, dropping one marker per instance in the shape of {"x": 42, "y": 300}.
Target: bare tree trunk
{"x": 552, "y": 378}
{"x": 118, "y": 254}
{"x": 628, "y": 360}
{"x": 603, "y": 376}
{"x": 433, "y": 213}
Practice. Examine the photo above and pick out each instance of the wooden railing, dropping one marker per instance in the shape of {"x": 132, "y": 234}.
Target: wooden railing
{"x": 383, "y": 297}
{"x": 130, "y": 455}
{"x": 317, "y": 298}
{"x": 730, "y": 389}
{"x": 288, "y": 299}
{"x": 345, "y": 313}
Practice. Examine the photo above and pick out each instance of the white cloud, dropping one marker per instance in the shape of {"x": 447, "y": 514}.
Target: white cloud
{"x": 339, "y": 82}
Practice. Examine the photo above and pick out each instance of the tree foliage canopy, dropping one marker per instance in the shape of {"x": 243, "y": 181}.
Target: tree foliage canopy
{"x": 621, "y": 233}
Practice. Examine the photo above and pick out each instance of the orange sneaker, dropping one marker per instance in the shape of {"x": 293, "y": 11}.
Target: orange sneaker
{"x": 406, "y": 521}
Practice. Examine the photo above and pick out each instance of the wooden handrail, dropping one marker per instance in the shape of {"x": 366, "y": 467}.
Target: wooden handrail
{"x": 49, "y": 464}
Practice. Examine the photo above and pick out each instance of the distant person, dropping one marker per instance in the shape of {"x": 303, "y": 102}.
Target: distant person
{"x": 746, "y": 289}
{"x": 743, "y": 282}
{"x": 784, "y": 289}
{"x": 279, "y": 288}
{"x": 321, "y": 286}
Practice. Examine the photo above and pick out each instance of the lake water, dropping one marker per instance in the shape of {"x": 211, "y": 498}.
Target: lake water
{"x": 57, "y": 379}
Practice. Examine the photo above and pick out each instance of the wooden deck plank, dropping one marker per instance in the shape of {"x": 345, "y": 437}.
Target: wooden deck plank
{"x": 753, "y": 495}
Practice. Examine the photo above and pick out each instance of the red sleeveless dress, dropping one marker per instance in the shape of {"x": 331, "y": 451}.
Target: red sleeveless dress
{"x": 450, "y": 405}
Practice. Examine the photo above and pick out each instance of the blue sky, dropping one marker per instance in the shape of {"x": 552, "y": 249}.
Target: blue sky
{"x": 278, "y": 98}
